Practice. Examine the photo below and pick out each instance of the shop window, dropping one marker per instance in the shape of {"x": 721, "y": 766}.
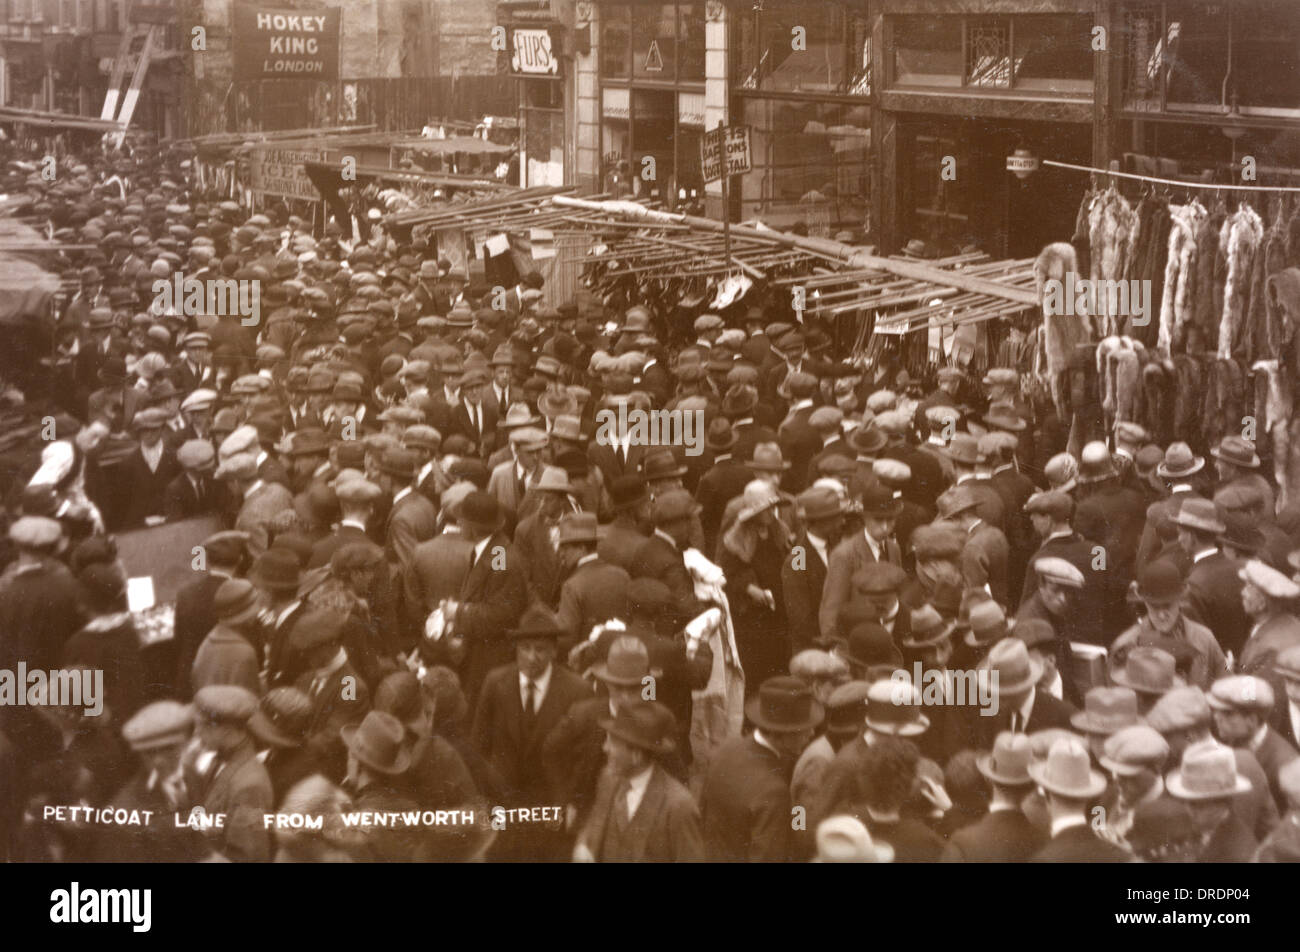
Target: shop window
{"x": 811, "y": 164}
{"x": 928, "y": 51}
{"x": 1054, "y": 53}
{"x": 615, "y": 33}
{"x": 835, "y": 57}
{"x": 1198, "y": 55}
{"x": 654, "y": 41}
{"x": 988, "y": 53}
{"x": 690, "y": 42}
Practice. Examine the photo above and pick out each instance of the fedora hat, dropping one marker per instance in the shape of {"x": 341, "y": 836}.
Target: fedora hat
{"x": 536, "y": 622}
{"x": 871, "y": 646}
{"x": 956, "y": 500}
{"x": 1237, "y": 451}
{"x": 276, "y": 570}
{"x": 554, "y": 403}
{"x": 767, "y": 458}
{"x": 1201, "y": 515}
{"x": 645, "y": 724}
{"x": 661, "y": 464}
{"x": 1008, "y": 763}
{"x": 1106, "y": 710}
{"x": 1208, "y": 772}
{"x": 1147, "y": 670}
{"x": 927, "y": 628}
{"x": 578, "y": 527}
{"x": 236, "y": 602}
{"x": 627, "y": 663}
{"x": 519, "y": 415}
{"x": 377, "y": 743}
{"x": 963, "y": 448}
{"x": 1179, "y": 462}
{"x": 1160, "y": 583}
{"x": 820, "y": 502}
{"x": 1016, "y": 669}
{"x": 845, "y": 839}
{"x": 878, "y": 500}
{"x": 1067, "y": 771}
{"x": 784, "y": 704}
{"x": 894, "y": 707}
{"x": 867, "y": 440}
{"x": 987, "y": 624}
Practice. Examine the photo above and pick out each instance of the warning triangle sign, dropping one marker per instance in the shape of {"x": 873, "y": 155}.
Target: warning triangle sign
{"x": 654, "y": 63}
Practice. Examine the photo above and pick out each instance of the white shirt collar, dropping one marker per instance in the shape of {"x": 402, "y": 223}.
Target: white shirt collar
{"x": 257, "y": 484}
{"x": 1258, "y": 737}
{"x": 480, "y": 546}
{"x": 401, "y": 494}
{"x": 636, "y": 787}
{"x": 1204, "y": 554}
{"x": 1059, "y": 534}
{"x": 539, "y": 687}
{"x": 1063, "y": 823}
{"x": 762, "y": 741}
{"x": 666, "y": 537}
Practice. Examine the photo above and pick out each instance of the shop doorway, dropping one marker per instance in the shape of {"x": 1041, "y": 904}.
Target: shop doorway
{"x": 653, "y": 137}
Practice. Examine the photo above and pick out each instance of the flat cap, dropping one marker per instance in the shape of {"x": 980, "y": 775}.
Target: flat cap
{"x": 199, "y": 399}
{"x": 1242, "y": 692}
{"x": 225, "y": 703}
{"x": 892, "y": 421}
{"x": 892, "y": 472}
{"x": 1058, "y": 505}
{"x": 826, "y": 418}
{"x": 237, "y": 466}
{"x": 1268, "y": 580}
{"x": 1133, "y": 749}
{"x": 316, "y": 628}
{"x": 242, "y": 440}
{"x": 159, "y": 724}
{"x": 1001, "y": 377}
{"x": 35, "y": 532}
{"x": 881, "y": 401}
{"x": 358, "y": 491}
{"x": 1179, "y": 709}
{"x": 879, "y": 577}
{"x": 1058, "y": 571}
{"x": 815, "y": 665}
{"x": 707, "y": 322}
{"x": 195, "y": 454}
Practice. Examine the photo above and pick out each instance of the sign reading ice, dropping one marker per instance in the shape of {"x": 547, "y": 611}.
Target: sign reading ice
{"x": 286, "y": 44}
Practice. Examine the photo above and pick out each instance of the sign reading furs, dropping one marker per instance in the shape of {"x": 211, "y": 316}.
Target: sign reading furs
{"x": 286, "y": 44}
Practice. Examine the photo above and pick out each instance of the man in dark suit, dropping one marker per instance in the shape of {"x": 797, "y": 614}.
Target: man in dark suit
{"x": 660, "y": 556}
{"x": 875, "y": 543}
{"x": 230, "y": 653}
{"x": 985, "y": 558}
{"x": 642, "y": 813}
{"x": 1004, "y": 834}
{"x": 798, "y": 439}
{"x": 745, "y": 805}
{"x": 803, "y": 575}
{"x": 195, "y": 615}
{"x": 146, "y": 472}
{"x": 1021, "y": 707}
{"x": 1213, "y": 585}
{"x": 193, "y": 492}
{"x": 1069, "y": 784}
{"x": 235, "y": 784}
{"x": 623, "y": 536}
{"x": 411, "y": 518}
{"x": 594, "y": 591}
{"x": 723, "y": 481}
{"x": 475, "y": 417}
{"x": 1110, "y": 514}
{"x": 519, "y": 705}
{"x": 1177, "y": 471}
{"x": 1050, "y": 514}
{"x": 612, "y": 452}
{"x": 338, "y": 694}
{"x": 492, "y": 597}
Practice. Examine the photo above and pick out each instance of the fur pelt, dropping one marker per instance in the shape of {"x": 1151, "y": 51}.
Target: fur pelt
{"x": 1061, "y": 332}
{"x": 1180, "y": 265}
{"x": 1188, "y": 400}
{"x": 1239, "y": 238}
{"x": 1111, "y": 239}
{"x": 1157, "y": 399}
{"x": 1119, "y": 367}
{"x": 1273, "y": 417}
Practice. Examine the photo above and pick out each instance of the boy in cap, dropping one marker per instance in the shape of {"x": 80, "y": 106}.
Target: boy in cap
{"x": 235, "y": 782}
{"x": 193, "y": 491}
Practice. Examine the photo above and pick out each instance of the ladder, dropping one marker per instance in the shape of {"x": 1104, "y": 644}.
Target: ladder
{"x": 133, "y": 55}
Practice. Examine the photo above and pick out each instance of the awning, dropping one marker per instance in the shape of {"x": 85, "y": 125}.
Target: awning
{"x": 25, "y": 289}
{"x": 456, "y": 145}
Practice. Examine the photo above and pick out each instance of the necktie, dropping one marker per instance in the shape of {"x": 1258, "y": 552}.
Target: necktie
{"x": 530, "y": 699}
{"x": 503, "y": 402}
{"x": 478, "y": 418}
{"x": 622, "y": 454}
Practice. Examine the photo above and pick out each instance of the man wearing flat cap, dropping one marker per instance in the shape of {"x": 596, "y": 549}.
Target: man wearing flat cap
{"x": 1269, "y": 598}
{"x": 641, "y": 813}
{"x": 157, "y": 734}
{"x": 225, "y": 554}
{"x": 512, "y": 480}
{"x": 322, "y": 670}
{"x": 193, "y": 492}
{"x": 145, "y": 474}
{"x": 234, "y": 783}
{"x": 259, "y": 501}
{"x": 40, "y": 603}
{"x": 1242, "y": 706}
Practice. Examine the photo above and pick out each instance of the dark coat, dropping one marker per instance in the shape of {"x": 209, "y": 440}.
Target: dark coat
{"x": 241, "y": 789}
{"x": 846, "y": 559}
{"x": 331, "y": 712}
{"x": 803, "y": 583}
{"x": 194, "y": 618}
{"x": 145, "y": 489}
{"x": 1214, "y": 599}
{"x": 664, "y": 829}
{"x": 657, "y": 558}
{"x": 619, "y": 544}
{"x": 1004, "y": 836}
{"x": 499, "y": 729}
{"x": 181, "y": 501}
{"x": 226, "y": 657}
{"x": 491, "y": 603}
{"x": 595, "y": 592}
{"x": 1080, "y": 844}
{"x": 745, "y": 805}
{"x": 723, "y": 482}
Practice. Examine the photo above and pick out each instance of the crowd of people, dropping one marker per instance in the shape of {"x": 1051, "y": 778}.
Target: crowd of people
{"x": 440, "y": 608}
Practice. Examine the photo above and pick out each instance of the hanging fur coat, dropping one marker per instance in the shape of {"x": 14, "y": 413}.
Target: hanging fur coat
{"x": 1062, "y": 333}
{"x": 1207, "y": 305}
{"x": 1119, "y": 361}
{"x": 1180, "y": 274}
{"x": 1239, "y": 239}
{"x": 1112, "y": 226}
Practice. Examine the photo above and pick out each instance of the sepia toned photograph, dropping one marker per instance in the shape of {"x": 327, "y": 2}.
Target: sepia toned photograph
{"x": 577, "y": 431}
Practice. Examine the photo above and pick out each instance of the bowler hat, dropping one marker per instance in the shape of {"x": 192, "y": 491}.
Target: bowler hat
{"x": 276, "y": 570}
{"x": 1160, "y": 583}
{"x": 767, "y": 458}
{"x": 628, "y": 491}
{"x": 479, "y": 510}
{"x": 894, "y": 707}
{"x": 784, "y": 704}
{"x": 878, "y": 500}
{"x": 536, "y": 622}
